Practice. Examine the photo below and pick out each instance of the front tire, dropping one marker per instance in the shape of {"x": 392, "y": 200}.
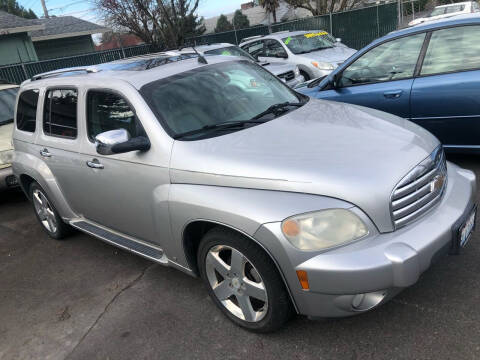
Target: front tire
{"x": 46, "y": 214}
{"x": 243, "y": 281}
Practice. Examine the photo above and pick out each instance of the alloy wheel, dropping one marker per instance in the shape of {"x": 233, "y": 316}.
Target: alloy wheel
{"x": 236, "y": 283}
{"x": 45, "y": 211}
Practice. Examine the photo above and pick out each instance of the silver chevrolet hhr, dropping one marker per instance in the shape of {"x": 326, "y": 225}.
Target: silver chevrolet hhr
{"x": 280, "y": 203}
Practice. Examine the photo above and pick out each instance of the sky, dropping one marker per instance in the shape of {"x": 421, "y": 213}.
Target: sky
{"x": 85, "y": 9}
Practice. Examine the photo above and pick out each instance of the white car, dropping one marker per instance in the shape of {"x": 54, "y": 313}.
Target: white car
{"x": 287, "y": 72}
{"x": 444, "y": 11}
{"x": 316, "y": 52}
{"x": 8, "y": 95}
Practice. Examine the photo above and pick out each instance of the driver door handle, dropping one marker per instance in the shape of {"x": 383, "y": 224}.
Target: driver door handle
{"x": 394, "y": 94}
{"x": 95, "y": 164}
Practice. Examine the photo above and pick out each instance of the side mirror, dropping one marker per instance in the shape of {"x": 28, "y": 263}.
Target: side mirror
{"x": 119, "y": 141}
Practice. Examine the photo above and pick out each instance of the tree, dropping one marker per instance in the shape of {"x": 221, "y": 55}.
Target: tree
{"x": 223, "y": 24}
{"x": 12, "y": 7}
{"x": 321, "y": 7}
{"x": 164, "y": 23}
{"x": 270, "y": 7}
{"x": 240, "y": 20}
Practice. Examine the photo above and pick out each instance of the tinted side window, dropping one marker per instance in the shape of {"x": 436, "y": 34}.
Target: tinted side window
{"x": 274, "y": 49}
{"x": 254, "y": 48}
{"x": 453, "y": 49}
{"x": 107, "y": 111}
{"x": 27, "y": 110}
{"x": 393, "y": 60}
{"x": 60, "y": 113}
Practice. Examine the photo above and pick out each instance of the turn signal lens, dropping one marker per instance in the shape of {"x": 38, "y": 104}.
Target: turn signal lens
{"x": 290, "y": 228}
{"x": 303, "y": 278}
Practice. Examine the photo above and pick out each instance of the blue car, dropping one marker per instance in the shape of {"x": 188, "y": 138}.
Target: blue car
{"x": 429, "y": 74}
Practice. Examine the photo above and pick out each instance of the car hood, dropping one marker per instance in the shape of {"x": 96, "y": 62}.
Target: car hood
{"x": 325, "y": 148}
{"x": 277, "y": 68}
{"x": 336, "y": 54}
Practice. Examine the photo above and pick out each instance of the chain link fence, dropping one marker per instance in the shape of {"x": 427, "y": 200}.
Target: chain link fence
{"x": 19, "y": 72}
{"x": 356, "y": 28}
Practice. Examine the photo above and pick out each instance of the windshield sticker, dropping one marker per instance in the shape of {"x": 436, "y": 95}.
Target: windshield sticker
{"x": 310, "y": 35}
{"x": 226, "y": 52}
{"x": 287, "y": 40}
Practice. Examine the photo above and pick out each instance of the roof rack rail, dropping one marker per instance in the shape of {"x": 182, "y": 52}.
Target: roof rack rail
{"x": 88, "y": 70}
{"x": 251, "y": 38}
{"x": 281, "y": 32}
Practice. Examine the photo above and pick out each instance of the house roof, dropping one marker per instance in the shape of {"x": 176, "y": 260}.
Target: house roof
{"x": 65, "y": 26}
{"x": 10, "y": 24}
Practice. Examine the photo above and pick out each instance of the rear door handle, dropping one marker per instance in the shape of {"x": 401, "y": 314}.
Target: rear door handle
{"x": 95, "y": 164}
{"x": 45, "y": 153}
{"x": 394, "y": 94}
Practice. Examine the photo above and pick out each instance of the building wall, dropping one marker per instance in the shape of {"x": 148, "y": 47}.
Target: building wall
{"x": 16, "y": 48}
{"x": 55, "y": 48}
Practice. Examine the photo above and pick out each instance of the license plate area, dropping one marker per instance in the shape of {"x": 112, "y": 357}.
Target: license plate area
{"x": 463, "y": 230}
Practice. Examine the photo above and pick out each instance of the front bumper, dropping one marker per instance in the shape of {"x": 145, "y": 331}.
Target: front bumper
{"x": 7, "y": 179}
{"x": 379, "y": 266}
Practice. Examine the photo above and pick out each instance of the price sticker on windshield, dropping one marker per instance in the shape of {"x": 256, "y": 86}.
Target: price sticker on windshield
{"x": 310, "y": 35}
{"x": 287, "y": 40}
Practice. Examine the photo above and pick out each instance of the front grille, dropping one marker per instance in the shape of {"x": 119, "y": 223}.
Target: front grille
{"x": 289, "y": 75}
{"x": 420, "y": 189}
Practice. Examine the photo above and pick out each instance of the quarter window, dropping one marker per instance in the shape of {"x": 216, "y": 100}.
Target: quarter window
{"x": 453, "y": 49}
{"x": 393, "y": 60}
{"x": 60, "y": 113}
{"x": 108, "y": 111}
{"x": 27, "y": 110}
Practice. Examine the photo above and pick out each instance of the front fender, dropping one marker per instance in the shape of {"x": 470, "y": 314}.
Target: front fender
{"x": 242, "y": 209}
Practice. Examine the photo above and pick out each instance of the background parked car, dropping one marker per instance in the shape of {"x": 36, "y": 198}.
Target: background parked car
{"x": 429, "y": 74}
{"x": 8, "y": 94}
{"x": 316, "y": 53}
{"x": 444, "y": 11}
{"x": 285, "y": 71}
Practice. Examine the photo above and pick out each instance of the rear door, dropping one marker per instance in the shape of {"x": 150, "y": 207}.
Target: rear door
{"x": 381, "y": 78}
{"x": 445, "y": 97}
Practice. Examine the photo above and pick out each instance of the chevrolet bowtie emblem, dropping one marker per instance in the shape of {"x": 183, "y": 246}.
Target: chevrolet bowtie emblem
{"x": 437, "y": 183}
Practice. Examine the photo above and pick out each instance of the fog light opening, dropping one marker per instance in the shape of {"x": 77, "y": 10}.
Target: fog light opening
{"x": 365, "y": 302}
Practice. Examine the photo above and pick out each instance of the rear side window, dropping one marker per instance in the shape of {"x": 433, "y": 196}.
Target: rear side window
{"x": 453, "y": 49}
{"x": 27, "y": 110}
{"x": 108, "y": 111}
{"x": 60, "y": 113}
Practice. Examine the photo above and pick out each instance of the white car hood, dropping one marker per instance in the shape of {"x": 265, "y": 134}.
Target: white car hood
{"x": 336, "y": 54}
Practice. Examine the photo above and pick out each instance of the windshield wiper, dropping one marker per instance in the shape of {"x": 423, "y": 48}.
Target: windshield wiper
{"x": 277, "y": 109}
{"x": 219, "y": 126}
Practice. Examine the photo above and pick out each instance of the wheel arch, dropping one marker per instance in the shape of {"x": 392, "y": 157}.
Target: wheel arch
{"x": 193, "y": 233}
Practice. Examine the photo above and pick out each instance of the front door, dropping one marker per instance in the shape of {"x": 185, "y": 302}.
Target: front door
{"x": 382, "y": 78}
{"x": 445, "y": 97}
{"x": 124, "y": 192}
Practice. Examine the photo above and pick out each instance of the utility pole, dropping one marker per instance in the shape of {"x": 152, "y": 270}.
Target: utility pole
{"x": 45, "y": 11}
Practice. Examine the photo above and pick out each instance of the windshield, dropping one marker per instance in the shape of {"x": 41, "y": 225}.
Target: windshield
{"x": 230, "y": 51}
{"x": 215, "y": 94}
{"x": 7, "y": 105}
{"x": 301, "y": 44}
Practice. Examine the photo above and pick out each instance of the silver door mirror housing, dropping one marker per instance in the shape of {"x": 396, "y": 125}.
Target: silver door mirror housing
{"x": 105, "y": 141}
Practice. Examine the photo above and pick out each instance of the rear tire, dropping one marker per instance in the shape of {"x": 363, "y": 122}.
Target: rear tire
{"x": 243, "y": 281}
{"x": 46, "y": 214}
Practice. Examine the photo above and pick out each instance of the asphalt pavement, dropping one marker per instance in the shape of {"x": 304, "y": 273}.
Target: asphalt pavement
{"x": 84, "y": 299}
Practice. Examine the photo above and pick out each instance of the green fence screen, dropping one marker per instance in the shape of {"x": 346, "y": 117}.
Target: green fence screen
{"x": 356, "y": 28}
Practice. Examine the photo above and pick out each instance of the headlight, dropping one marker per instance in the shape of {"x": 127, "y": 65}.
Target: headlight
{"x": 297, "y": 71}
{"x": 6, "y": 157}
{"x": 323, "y": 229}
{"x": 322, "y": 65}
